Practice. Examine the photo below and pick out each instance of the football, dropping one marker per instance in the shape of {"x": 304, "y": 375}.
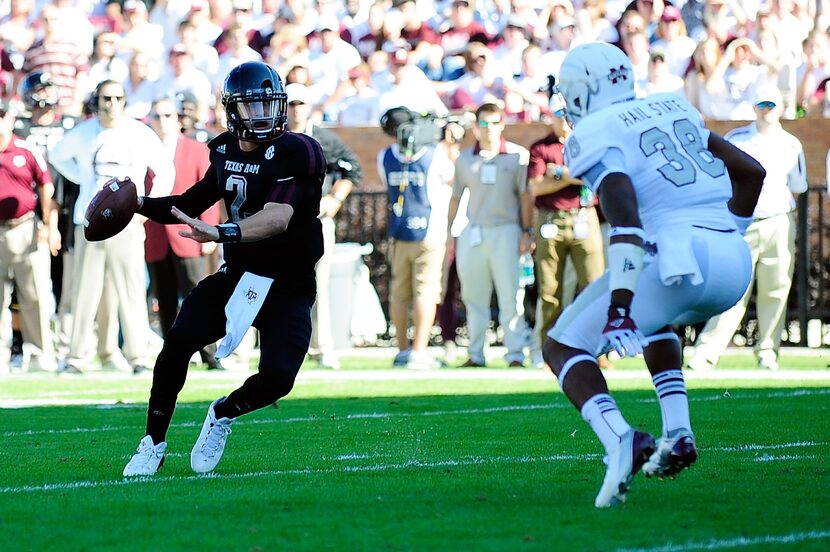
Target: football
{"x": 111, "y": 210}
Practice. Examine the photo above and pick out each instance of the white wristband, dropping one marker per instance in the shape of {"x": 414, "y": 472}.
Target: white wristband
{"x": 625, "y": 263}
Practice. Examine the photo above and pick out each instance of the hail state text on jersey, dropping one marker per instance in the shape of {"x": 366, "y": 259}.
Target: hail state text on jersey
{"x": 246, "y": 168}
{"x": 656, "y": 109}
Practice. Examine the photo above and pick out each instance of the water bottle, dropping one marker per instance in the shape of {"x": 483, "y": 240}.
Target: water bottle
{"x": 526, "y": 274}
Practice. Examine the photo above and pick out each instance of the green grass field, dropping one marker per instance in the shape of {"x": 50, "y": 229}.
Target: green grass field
{"x": 374, "y": 459}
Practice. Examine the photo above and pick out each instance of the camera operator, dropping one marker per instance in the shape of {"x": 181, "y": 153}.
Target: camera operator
{"x": 418, "y": 172}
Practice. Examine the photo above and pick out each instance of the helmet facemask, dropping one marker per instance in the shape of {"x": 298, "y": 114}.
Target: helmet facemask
{"x": 257, "y": 117}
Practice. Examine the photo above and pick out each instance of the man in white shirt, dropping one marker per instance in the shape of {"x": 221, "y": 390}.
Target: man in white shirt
{"x": 771, "y": 236}
{"x": 110, "y": 145}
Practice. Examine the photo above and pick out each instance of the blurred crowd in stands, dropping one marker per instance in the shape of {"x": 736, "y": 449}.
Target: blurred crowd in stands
{"x": 362, "y": 57}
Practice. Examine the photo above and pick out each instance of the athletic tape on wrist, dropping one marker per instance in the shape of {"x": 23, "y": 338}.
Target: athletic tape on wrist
{"x": 570, "y": 364}
{"x": 625, "y": 263}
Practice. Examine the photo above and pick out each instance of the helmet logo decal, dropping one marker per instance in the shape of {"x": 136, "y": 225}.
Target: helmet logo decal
{"x": 617, "y": 74}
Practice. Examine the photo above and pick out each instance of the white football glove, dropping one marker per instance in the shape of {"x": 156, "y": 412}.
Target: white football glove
{"x": 621, "y": 333}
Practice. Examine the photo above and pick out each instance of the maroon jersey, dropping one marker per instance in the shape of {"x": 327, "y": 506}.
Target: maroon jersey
{"x": 22, "y": 170}
{"x": 289, "y": 169}
{"x": 455, "y": 39}
{"x": 421, "y": 34}
{"x": 550, "y": 150}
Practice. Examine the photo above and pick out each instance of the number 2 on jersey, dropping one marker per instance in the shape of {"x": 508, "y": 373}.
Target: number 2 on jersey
{"x": 240, "y": 186}
{"x": 680, "y": 169}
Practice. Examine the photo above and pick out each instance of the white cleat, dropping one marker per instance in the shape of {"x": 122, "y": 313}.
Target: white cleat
{"x": 147, "y": 460}
{"x": 623, "y": 464}
{"x": 209, "y": 447}
{"x": 673, "y": 455}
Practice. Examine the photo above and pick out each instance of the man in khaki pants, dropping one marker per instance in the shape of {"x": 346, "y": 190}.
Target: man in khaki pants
{"x": 771, "y": 236}
{"x": 25, "y": 241}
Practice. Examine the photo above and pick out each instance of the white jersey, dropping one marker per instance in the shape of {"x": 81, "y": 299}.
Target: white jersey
{"x": 660, "y": 142}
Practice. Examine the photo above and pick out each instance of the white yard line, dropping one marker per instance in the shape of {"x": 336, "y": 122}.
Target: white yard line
{"x": 384, "y": 415}
{"x": 408, "y": 465}
{"x": 735, "y": 542}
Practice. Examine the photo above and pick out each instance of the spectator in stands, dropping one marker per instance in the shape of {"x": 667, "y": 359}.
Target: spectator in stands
{"x": 90, "y": 154}
{"x": 138, "y": 86}
{"x": 630, "y": 22}
{"x": 359, "y": 105}
{"x": 288, "y": 47}
{"x": 635, "y": 46}
{"x": 200, "y": 15}
{"x": 242, "y": 16}
{"x": 674, "y": 42}
{"x": 461, "y": 28}
{"x": 507, "y": 55}
{"x": 330, "y": 57}
{"x": 700, "y": 86}
{"x": 482, "y": 82}
{"x": 103, "y": 64}
{"x": 188, "y": 106}
{"x": 816, "y": 67}
{"x": 566, "y": 226}
{"x": 343, "y": 172}
{"x": 371, "y": 36}
{"x": 416, "y": 32}
{"x": 205, "y": 57}
{"x": 501, "y": 223}
{"x": 177, "y": 264}
{"x": 532, "y": 83}
{"x": 139, "y": 33}
{"x": 592, "y": 23}
{"x": 60, "y": 57}
{"x": 771, "y": 236}
{"x": 418, "y": 180}
{"x": 16, "y": 27}
{"x": 408, "y": 86}
{"x": 741, "y": 69}
{"x": 26, "y": 238}
{"x": 659, "y": 78}
{"x": 562, "y": 37}
{"x": 182, "y": 76}
{"x": 236, "y": 52}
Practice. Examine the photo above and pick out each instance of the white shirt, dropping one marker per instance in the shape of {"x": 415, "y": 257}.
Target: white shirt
{"x": 781, "y": 155}
{"x": 90, "y": 155}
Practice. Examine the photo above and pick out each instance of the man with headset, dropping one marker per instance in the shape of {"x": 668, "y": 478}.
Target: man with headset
{"x": 98, "y": 149}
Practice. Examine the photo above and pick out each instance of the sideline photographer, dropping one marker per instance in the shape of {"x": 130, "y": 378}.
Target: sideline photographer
{"x": 418, "y": 172}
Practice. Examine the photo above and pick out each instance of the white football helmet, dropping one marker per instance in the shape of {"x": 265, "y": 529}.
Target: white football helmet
{"x": 594, "y": 75}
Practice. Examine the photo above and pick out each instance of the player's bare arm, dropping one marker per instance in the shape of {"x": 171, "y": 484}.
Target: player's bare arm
{"x": 272, "y": 220}
{"x": 745, "y": 171}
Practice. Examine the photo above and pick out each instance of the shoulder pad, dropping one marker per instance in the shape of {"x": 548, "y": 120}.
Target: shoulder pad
{"x": 588, "y": 143}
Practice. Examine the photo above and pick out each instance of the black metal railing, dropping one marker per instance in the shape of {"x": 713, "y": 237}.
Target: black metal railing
{"x": 363, "y": 220}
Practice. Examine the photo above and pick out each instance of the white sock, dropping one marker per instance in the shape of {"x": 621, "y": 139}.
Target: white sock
{"x": 674, "y": 403}
{"x": 601, "y": 412}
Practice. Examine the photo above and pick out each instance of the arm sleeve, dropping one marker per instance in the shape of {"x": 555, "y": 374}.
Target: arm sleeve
{"x": 62, "y": 156}
{"x": 193, "y": 202}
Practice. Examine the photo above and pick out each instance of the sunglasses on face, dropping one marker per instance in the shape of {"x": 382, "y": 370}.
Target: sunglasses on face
{"x": 112, "y": 98}
{"x": 487, "y": 124}
{"x": 765, "y": 105}
{"x": 158, "y": 116}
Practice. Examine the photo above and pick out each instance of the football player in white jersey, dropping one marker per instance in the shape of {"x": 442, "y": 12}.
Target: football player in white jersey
{"x": 676, "y": 255}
